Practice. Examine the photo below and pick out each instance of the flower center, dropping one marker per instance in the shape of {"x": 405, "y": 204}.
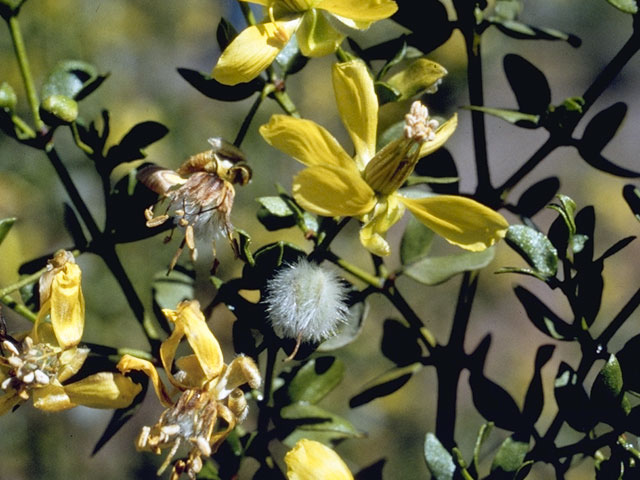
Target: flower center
{"x": 30, "y": 366}
{"x": 390, "y": 167}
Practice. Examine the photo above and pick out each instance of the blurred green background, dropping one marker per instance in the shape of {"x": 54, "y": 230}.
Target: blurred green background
{"x": 141, "y": 43}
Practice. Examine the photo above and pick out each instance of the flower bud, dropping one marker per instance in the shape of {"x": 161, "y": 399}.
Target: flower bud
{"x": 305, "y": 301}
{"x": 8, "y": 98}
{"x": 58, "y": 109}
{"x": 421, "y": 75}
{"x": 311, "y": 460}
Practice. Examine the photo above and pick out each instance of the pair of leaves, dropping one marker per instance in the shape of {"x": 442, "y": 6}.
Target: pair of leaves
{"x": 279, "y": 212}
{"x": 304, "y": 387}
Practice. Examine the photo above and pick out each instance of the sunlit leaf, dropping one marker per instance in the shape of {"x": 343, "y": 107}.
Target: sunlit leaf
{"x": 626, "y": 6}
{"x": 416, "y": 241}
{"x": 516, "y": 117}
{"x": 510, "y": 455}
{"x": 439, "y": 460}
{"x": 315, "y": 423}
{"x": 274, "y": 213}
{"x": 435, "y": 270}
{"x": 73, "y": 79}
{"x": 535, "y": 248}
{"x": 315, "y": 379}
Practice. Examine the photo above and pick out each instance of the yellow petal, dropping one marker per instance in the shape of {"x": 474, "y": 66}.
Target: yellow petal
{"x": 190, "y": 322}
{"x": 52, "y": 398}
{"x": 8, "y": 401}
{"x": 360, "y": 11}
{"x": 306, "y": 141}
{"x": 67, "y": 305}
{"x": 358, "y": 107}
{"x": 316, "y": 37}
{"x": 128, "y": 363}
{"x": 194, "y": 376}
{"x": 311, "y": 460}
{"x": 103, "y": 390}
{"x": 71, "y": 360}
{"x": 461, "y": 221}
{"x": 240, "y": 371}
{"x": 442, "y": 135}
{"x": 386, "y": 214}
{"x": 331, "y": 191}
{"x": 253, "y": 50}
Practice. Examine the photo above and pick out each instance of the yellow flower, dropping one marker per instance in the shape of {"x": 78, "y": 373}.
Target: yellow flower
{"x": 312, "y": 20}
{"x": 311, "y": 460}
{"x": 49, "y": 355}
{"x": 366, "y": 186}
{"x": 208, "y": 392}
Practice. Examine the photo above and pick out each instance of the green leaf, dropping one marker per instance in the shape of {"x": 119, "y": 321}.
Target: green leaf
{"x": 435, "y": 270}
{"x": 5, "y": 226}
{"x": 315, "y": 379}
{"x": 385, "y": 384}
{"x": 213, "y": 89}
{"x": 130, "y": 198}
{"x": 290, "y": 60}
{"x": 439, "y": 460}
{"x": 386, "y": 93}
{"x": 606, "y": 392}
{"x": 528, "y": 83}
{"x": 420, "y": 75}
{"x": 542, "y": 317}
{"x": 483, "y": 435}
{"x": 523, "y": 31}
{"x": 537, "y": 196}
{"x": 573, "y": 402}
{"x": 315, "y": 423}
{"x": 73, "y": 79}
{"x": 225, "y": 33}
{"x": 266, "y": 259}
{"x": 626, "y": 6}
{"x": 244, "y": 240}
{"x": 274, "y": 213}
{"x": 535, "y": 248}
{"x": 510, "y": 455}
{"x": 508, "y": 9}
{"x": 567, "y": 210}
{"x": 512, "y": 116}
{"x": 416, "y": 241}
{"x": 134, "y": 142}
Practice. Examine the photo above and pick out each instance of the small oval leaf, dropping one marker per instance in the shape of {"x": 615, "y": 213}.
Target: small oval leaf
{"x": 436, "y": 270}
{"x": 439, "y": 460}
{"x": 535, "y": 248}
{"x": 315, "y": 379}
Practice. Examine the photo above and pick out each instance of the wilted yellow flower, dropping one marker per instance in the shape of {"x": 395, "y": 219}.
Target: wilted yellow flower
{"x": 313, "y": 22}
{"x": 366, "y": 186}
{"x": 311, "y": 460}
{"x": 38, "y": 365}
{"x": 200, "y": 194}
{"x": 210, "y": 402}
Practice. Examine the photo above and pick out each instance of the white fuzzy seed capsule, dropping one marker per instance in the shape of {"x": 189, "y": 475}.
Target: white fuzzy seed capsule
{"x": 306, "y": 301}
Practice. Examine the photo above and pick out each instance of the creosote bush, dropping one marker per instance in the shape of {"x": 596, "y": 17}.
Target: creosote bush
{"x": 271, "y": 399}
